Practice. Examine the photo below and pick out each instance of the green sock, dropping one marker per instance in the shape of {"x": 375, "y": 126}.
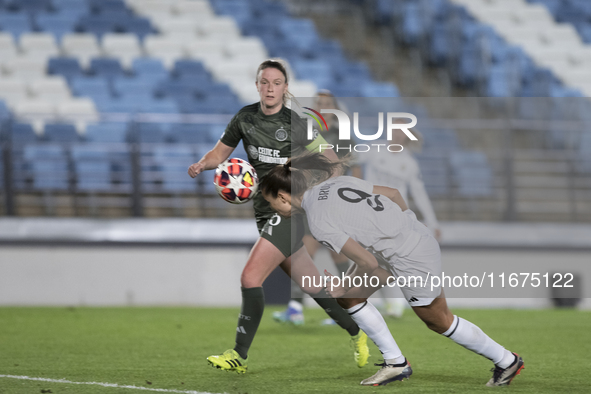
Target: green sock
{"x": 253, "y": 305}
{"x": 338, "y": 314}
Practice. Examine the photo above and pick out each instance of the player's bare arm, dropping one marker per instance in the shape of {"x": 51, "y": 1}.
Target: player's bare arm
{"x": 392, "y": 194}
{"x": 211, "y": 159}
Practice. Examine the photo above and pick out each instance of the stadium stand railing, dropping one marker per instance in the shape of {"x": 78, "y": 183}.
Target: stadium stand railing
{"x": 79, "y": 80}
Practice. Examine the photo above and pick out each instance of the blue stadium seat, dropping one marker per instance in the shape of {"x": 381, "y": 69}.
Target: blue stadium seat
{"x": 141, "y": 27}
{"x": 4, "y": 111}
{"x": 96, "y": 24}
{"x": 57, "y": 24}
{"x": 164, "y": 106}
{"x": 22, "y": 133}
{"x": 15, "y": 23}
{"x": 189, "y": 68}
{"x": 67, "y": 67}
{"x": 319, "y": 71}
{"x": 61, "y": 132}
{"x": 170, "y": 165}
{"x": 379, "y": 89}
{"x": 49, "y": 166}
{"x": 152, "y": 69}
{"x": 92, "y": 166}
{"x": 107, "y": 132}
{"x": 30, "y": 6}
{"x": 91, "y": 86}
{"x": 190, "y": 134}
{"x": 100, "y": 6}
{"x": 216, "y": 131}
{"x": 472, "y": 173}
{"x": 133, "y": 86}
{"x": 93, "y": 175}
{"x": 240, "y": 10}
{"x": 117, "y": 105}
{"x": 64, "y": 5}
{"x": 148, "y": 133}
{"x": 106, "y": 67}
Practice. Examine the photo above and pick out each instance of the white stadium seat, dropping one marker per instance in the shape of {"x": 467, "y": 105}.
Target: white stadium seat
{"x": 25, "y": 68}
{"x": 152, "y": 8}
{"x": 37, "y": 112}
{"x": 13, "y": 91}
{"x": 562, "y": 33}
{"x": 39, "y": 43}
{"x": 227, "y": 70}
{"x": 249, "y": 46}
{"x": 165, "y": 49}
{"x": 220, "y": 27}
{"x": 582, "y": 57}
{"x": 204, "y": 48}
{"x": 192, "y": 8}
{"x": 126, "y": 47}
{"x": 8, "y": 49}
{"x": 79, "y": 111}
{"x": 53, "y": 88}
{"x": 83, "y": 46}
{"x": 178, "y": 27}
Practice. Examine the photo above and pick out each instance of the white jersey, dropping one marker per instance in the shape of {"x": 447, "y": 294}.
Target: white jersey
{"x": 345, "y": 207}
{"x": 400, "y": 171}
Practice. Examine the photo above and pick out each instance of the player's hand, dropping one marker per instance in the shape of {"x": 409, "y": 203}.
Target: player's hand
{"x": 196, "y": 169}
{"x": 336, "y": 291}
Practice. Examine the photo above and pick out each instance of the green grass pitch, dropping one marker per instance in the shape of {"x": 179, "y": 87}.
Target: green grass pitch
{"x": 165, "y": 348}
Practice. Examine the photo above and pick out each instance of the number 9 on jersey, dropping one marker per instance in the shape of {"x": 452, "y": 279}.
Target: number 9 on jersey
{"x": 236, "y": 181}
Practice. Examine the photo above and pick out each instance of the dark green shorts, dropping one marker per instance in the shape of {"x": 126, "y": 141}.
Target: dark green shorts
{"x": 285, "y": 233}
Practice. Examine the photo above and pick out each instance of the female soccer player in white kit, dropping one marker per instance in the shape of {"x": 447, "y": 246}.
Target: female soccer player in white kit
{"x": 354, "y": 217}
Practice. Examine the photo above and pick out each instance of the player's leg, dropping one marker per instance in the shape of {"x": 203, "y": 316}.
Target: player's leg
{"x": 439, "y": 318}
{"x": 264, "y": 258}
{"x": 340, "y": 261}
{"x": 299, "y": 266}
{"x": 368, "y": 318}
{"x": 342, "y": 264}
{"x": 294, "y": 313}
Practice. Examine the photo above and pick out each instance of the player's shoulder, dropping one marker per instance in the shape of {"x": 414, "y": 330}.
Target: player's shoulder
{"x": 289, "y": 115}
{"x": 250, "y": 109}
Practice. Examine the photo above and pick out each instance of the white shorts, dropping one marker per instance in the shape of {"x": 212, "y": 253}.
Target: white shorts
{"x": 417, "y": 269}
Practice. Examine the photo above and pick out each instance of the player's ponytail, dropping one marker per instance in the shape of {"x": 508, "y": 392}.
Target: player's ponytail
{"x": 298, "y": 174}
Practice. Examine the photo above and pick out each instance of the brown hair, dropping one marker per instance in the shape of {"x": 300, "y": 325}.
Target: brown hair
{"x": 277, "y": 64}
{"x": 299, "y": 174}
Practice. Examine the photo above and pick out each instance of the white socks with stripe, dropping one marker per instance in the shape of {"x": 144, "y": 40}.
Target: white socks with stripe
{"x": 369, "y": 319}
{"x": 473, "y": 338}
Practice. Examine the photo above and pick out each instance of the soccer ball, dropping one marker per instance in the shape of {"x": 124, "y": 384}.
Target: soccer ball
{"x": 236, "y": 181}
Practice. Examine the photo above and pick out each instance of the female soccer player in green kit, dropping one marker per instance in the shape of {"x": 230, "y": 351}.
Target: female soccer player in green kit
{"x": 270, "y": 131}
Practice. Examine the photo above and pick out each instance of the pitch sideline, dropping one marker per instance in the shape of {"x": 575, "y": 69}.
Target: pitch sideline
{"x": 104, "y": 385}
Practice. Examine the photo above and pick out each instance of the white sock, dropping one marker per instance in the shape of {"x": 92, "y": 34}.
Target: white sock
{"x": 473, "y": 338}
{"x": 369, "y": 319}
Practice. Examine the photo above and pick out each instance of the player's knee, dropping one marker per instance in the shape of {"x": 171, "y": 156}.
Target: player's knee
{"x": 347, "y": 303}
{"x": 249, "y": 279}
{"x": 436, "y": 323}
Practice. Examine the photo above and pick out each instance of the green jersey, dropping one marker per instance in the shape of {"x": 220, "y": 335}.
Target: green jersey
{"x": 269, "y": 140}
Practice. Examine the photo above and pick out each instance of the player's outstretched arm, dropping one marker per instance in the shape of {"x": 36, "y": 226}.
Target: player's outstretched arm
{"x": 392, "y": 194}
{"x": 365, "y": 261}
{"x": 211, "y": 159}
